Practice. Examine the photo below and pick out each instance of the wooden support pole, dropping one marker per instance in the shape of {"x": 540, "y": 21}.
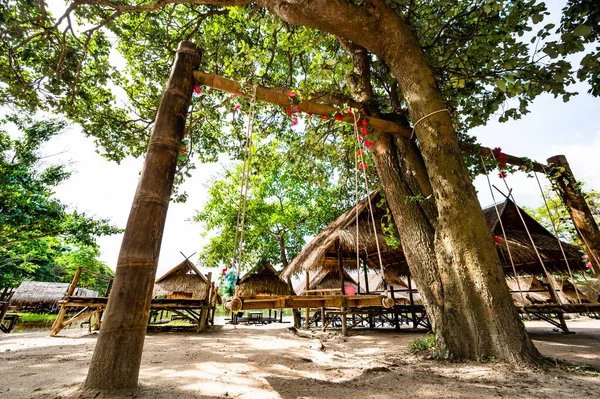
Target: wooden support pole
{"x": 205, "y": 312}
{"x": 580, "y": 212}
{"x": 396, "y": 320}
{"x": 340, "y": 266}
{"x": 364, "y": 264}
{"x": 118, "y": 353}
{"x": 412, "y": 302}
{"x": 307, "y": 288}
{"x": 58, "y": 323}
{"x": 344, "y": 322}
{"x": 281, "y": 98}
{"x": 323, "y": 319}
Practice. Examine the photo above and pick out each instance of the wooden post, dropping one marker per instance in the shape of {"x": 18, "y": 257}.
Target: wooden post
{"x": 412, "y": 302}
{"x": 340, "y": 265}
{"x": 396, "y": 321}
{"x": 344, "y": 324}
{"x": 323, "y": 319}
{"x": 204, "y": 312}
{"x": 580, "y": 213}
{"x": 364, "y": 262}
{"x": 58, "y": 323}
{"x": 307, "y": 287}
{"x": 118, "y": 353}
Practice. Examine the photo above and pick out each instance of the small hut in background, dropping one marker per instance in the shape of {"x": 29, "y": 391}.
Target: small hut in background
{"x": 41, "y": 297}
{"x": 335, "y": 248}
{"x": 262, "y": 280}
{"x": 184, "y": 281}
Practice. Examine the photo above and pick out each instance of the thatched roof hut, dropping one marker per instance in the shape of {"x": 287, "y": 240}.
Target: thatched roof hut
{"x": 523, "y": 253}
{"x": 340, "y": 238}
{"x": 42, "y": 296}
{"x": 324, "y": 279}
{"x": 262, "y": 280}
{"x": 182, "y": 281}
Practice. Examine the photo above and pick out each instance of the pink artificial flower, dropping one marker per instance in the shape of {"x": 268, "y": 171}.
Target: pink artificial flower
{"x": 364, "y": 130}
{"x": 295, "y": 109}
{"x": 294, "y": 121}
{"x": 292, "y": 94}
{"x": 234, "y": 95}
{"x": 362, "y": 165}
{"x": 236, "y": 107}
{"x": 585, "y": 257}
{"x": 588, "y": 265}
{"x": 502, "y": 174}
{"x": 359, "y": 138}
{"x": 368, "y": 143}
{"x": 197, "y": 90}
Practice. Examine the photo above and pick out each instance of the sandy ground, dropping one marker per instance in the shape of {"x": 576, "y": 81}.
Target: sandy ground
{"x": 272, "y": 362}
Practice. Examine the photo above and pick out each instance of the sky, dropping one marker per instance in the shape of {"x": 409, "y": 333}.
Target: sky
{"x": 105, "y": 189}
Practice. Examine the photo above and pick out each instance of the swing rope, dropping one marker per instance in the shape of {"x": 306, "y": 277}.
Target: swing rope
{"x": 245, "y": 183}
{"x": 370, "y": 206}
{"x": 555, "y": 228}
{"x": 357, "y": 198}
{"x": 510, "y": 195}
{"x": 512, "y": 263}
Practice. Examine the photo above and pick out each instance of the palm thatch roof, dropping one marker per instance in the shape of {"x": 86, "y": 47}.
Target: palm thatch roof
{"x": 44, "y": 294}
{"x": 182, "y": 281}
{"x": 522, "y": 251}
{"x": 341, "y": 235}
{"x": 324, "y": 279}
{"x": 535, "y": 291}
{"x": 260, "y": 281}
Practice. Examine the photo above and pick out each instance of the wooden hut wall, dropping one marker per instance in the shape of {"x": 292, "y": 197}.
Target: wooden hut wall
{"x": 183, "y": 284}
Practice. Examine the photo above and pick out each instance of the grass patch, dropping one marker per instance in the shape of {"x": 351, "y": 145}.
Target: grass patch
{"x": 423, "y": 346}
{"x": 36, "y": 317}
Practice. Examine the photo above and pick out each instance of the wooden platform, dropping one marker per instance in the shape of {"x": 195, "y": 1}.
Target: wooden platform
{"x": 312, "y": 301}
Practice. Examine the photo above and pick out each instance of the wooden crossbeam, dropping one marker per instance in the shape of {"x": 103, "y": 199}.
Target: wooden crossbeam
{"x": 281, "y": 98}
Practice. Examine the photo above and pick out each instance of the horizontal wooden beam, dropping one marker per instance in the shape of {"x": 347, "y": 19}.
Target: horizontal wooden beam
{"x": 281, "y": 98}
{"x": 312, "y": 301}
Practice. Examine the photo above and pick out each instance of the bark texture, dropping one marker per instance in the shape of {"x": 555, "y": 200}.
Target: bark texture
{"x": 580, "y": 212}
{"x": 480, "y": 317}
{"x": 118, "y": 353}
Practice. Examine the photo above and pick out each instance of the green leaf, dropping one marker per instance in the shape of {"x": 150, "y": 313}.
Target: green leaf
{"x": 501, "y": 84}
{"x": 582, "y": 30}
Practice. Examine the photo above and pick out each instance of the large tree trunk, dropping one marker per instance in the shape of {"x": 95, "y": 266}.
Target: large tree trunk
{"x": 117, "y": 357}
{"x": 481, "y": 319}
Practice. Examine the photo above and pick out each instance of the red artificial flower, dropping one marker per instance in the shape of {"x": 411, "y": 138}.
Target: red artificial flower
{"x": 497, "y": 240}
{"x": 236, "y": 107}
{"x": 323, "y": 117}
{"x": 364, "y": 122}
{"x": 588, "y": 265}
{"x": 349, "y": 111}
{"x": 292, "y": 94}
{"x": 490, "y": 223}
{"x": 362, "y": 165}
{"x": 224, "y": 271}
{"x": 502, "y": 174}
{"x": 288, "y": 111}
{"x": 364, "y": 130}
{"x": 234, "y": 95}
{"x": 497, "y": 149}
{"x": 197, "y": 90}
{"x": 338, "y": 117}
{"x": 295, "y": 109}
{"x": 309, "y": 115}
{"x": 294, "y": 121}
{"x": 368, "y": 143}
{"x": 360, "y": 153}
{"x": 359, "y": 138}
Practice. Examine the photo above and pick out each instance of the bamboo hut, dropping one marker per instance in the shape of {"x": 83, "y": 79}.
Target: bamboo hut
{"x": 184, "y": 281}
{"x": 337, "y": 246}
{"x": 38, "y": 296}
{"x": 262, "y": 280}
{"x": 523, "y": 253}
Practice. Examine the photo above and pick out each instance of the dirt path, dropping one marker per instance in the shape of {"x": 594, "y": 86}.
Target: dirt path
{"x": 271, "y": 362}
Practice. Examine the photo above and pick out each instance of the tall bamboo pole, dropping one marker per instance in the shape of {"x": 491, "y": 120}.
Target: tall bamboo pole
{"x": 580, "y": 212}
{"x": 117, "y": 357}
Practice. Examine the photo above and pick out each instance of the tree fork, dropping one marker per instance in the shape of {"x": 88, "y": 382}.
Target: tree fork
{"x": 117, "y": 357}
{"x": 578, "y": 209}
